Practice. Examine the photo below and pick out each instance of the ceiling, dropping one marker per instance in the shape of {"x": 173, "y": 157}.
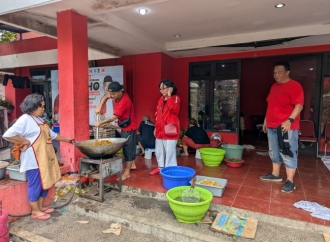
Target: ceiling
{"x": 205, "y": 27}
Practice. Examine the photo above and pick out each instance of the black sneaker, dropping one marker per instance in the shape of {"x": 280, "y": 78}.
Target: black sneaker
{"x": 271, "y": 177}
{"x": 288, "y": 187}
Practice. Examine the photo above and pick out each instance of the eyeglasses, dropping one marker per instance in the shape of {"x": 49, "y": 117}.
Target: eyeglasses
{"x": 162, "y": 89}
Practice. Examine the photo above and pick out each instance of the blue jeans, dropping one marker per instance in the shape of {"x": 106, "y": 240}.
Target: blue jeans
{"x": 274, "y": 149}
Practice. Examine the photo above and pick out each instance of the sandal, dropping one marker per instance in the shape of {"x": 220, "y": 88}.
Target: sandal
{"x": 122, "y": 178}
{"x": 42, "y": 217}
{"x": 48, "y": 210}
{"x": 154, "y": 171}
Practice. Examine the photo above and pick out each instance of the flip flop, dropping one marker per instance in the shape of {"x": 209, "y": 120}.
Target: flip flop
{"x": 133, "y": 168}
{"x": 142, "y": 154}
{"x": 42, "y": 217}
{"x": 123, "y": 179}
{"x": 48, "y": 210}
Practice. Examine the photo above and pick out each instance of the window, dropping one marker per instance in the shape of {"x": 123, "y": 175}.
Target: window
{"x": 44, "y": 89}
{"x": 40, "y": 83}
{"x": 199, "y": 103}
{"x": 198, "y": 70}
{"x": 214, "y": 94}
{"x": 225, "y": 104}
{"x": 226, "y": 69}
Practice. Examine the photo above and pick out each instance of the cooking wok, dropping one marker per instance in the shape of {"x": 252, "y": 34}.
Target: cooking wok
{"x": 100, "y": 151}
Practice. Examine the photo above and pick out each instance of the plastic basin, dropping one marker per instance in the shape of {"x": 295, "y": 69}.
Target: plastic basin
{"x": 3, "y": 166}
{"x": 174, "y": 176}
{"x": 216, "y": 191}
{"x": 212, "y": 156}
{"x": 15, "y": 174}
{"x": 233, "y": 151}
{"x": 234, "y": 164}
{"x": 189, "y": 212}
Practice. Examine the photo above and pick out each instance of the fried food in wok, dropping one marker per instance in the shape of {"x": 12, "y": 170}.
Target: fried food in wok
{"x": 103, "y": 142}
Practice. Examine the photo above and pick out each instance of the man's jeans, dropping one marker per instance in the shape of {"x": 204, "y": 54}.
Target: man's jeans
{"x": 274, "y": 149}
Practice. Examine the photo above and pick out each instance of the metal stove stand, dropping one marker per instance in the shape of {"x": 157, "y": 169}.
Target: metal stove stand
{"x": 100, "y": 169}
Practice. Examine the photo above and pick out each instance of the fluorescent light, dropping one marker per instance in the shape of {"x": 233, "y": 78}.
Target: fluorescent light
{"x": 280, "y": 5}
{"x": 143, "y": 11}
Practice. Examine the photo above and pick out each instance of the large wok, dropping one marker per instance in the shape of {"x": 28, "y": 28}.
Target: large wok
{"x": 100, "y": 151}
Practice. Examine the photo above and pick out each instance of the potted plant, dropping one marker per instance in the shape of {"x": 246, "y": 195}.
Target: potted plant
{"x": 4, "y": 103}
{"x": 234, "y": 162}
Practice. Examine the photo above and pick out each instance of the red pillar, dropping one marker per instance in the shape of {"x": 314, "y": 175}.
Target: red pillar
{"x": 72, "y": 44}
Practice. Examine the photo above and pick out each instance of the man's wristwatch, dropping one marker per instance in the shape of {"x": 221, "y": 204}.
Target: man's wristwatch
{"x": 291, "y": 120}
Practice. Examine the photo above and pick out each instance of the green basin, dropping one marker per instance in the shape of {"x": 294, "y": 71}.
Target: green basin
{"x": 212, "y": 156}
{"x": 189, "y": 212}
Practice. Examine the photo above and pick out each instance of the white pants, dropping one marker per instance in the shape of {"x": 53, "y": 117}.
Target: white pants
{"x": 165, "y": 152}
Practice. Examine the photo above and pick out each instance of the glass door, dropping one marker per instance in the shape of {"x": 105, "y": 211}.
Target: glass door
{"x": 325, "y": 109}
{"x": 214, "y": 94}
{"x": 200, "y": 102}
{"x": 226, "y": 94}
{"x": 307, "y": 71}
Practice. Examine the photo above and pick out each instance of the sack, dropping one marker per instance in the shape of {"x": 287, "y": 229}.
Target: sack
{"x": 171, "y": 129}
{"x": 126, "y": 122}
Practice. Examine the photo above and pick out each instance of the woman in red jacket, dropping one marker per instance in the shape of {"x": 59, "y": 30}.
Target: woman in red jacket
{"x": 168, "y": 108}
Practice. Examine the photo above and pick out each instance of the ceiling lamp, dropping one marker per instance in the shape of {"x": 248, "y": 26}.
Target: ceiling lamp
{"x": 143, "y": 11}
{"x": 280, "y": 5}
{"x": 177, "y": 36}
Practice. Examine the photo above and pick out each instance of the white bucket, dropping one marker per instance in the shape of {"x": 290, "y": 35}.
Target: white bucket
{"x": 148, "y": 153}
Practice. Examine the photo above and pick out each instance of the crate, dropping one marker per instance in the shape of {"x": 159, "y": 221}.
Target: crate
{"x": 216, "y": 191}
{"x": 15, "y": 174}
{"x": 105, "y": 132}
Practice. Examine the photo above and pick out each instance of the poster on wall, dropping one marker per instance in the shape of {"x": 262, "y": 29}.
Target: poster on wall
{"x": 99, "y": 79}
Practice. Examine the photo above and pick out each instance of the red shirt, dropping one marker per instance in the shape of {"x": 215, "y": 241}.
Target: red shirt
{"x": 122, "y": 109}
{"x": 282, "y": 99}
{"x": 167, "y": 112}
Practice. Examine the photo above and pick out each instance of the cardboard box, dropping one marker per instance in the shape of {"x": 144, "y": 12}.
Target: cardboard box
{"x": 229, "y": 223}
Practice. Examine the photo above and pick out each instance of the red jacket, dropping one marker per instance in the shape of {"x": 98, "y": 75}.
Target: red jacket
{"x": 167, "y": 113}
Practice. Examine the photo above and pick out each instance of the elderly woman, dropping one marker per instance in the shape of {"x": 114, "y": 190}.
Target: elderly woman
{"x": 168, "y": 108}
{"x": 195, "y": 137}
{"x": 37, "y": 154}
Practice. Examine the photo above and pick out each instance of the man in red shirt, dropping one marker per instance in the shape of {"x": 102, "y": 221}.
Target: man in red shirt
{"x": 285, "y": 102}
{"x": 123, "y": 109}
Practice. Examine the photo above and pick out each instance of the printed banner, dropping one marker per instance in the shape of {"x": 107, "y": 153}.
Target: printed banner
{"x": 99, "y": 79}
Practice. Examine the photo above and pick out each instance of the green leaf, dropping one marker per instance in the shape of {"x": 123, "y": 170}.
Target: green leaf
{"x": 6, "y": 36}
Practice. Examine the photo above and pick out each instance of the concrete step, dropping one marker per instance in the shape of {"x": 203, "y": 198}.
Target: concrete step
{"x": 64, "y": 228}
{"x": 147, "y": 213}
